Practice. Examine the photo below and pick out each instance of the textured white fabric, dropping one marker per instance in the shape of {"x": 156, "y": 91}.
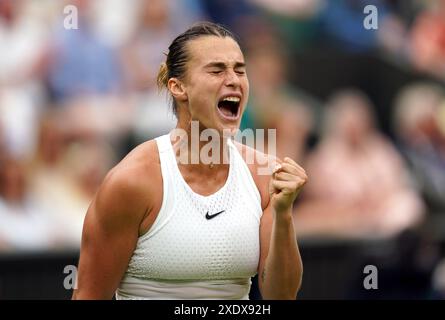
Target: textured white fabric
{"x": 189, "y": 256}
{"x": 141, "y": 289}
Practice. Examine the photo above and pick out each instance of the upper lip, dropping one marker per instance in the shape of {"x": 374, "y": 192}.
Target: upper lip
{"x": 238, "y": 95}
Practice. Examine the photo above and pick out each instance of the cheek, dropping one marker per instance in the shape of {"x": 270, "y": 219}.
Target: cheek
{"x": 246, "y": 88}
{"x": 206, "y": 94}
{"x": 202, "y": 104}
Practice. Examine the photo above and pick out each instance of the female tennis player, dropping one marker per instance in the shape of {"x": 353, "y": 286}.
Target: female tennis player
{"x": 165, "y": 228}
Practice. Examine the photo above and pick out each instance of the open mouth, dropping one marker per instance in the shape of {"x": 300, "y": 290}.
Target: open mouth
{"x": 229, "y": 107}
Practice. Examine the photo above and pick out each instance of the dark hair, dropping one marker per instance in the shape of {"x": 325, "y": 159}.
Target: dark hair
{"x": 177, "y": 57}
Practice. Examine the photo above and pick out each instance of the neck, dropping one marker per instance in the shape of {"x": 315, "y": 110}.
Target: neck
{"x": 200, "y": 148}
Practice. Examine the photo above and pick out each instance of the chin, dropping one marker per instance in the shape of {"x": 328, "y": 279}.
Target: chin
{"x": 229, "y": 129}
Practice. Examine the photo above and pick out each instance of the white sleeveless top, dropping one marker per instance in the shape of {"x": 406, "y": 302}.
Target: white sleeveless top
{"x": 193, "y": 250}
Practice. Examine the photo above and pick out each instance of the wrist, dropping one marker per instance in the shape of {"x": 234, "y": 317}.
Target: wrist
{"x": 283, "y": 214}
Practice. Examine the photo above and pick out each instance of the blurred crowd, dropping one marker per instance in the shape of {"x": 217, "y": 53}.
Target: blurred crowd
{"x": 73, "y": 102}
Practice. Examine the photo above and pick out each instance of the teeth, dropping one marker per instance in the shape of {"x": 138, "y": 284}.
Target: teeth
{"x": 232, "y": 99}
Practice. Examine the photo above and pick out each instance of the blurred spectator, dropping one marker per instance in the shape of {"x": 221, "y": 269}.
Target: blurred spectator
{"x": 107, "y": 117}
{"x": 298, "y": 21}
{"x": 428, "y": 39}
{"x": 274, "y": 103}
{"x": 146, "y": 49}
{"x": 19, "y": 116}
{"x": 22, "y": 39}
{"x": 24, "y": 223}
{"x": 230, "y": 13}
{"x": 421, "y": 137}
{"x": 358, "y": 183}
{"x": 113, "y": 20}
{"x": 294, "y": 8}
{"x": 342, "y": 23}
{"x": 157, "y": 23}
{"x": 82, "y": 62}
{"x": 66, "y": 173}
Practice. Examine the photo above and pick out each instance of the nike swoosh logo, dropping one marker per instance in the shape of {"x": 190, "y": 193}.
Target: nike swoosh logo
{"x": 208, "y": 216}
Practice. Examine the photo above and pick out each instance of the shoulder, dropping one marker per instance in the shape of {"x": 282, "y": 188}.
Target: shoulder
{"x": 130, "y": 187}
{"x": 260, "y": 165}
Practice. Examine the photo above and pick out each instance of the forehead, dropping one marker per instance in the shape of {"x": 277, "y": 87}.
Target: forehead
{"x": 212, "y": 48}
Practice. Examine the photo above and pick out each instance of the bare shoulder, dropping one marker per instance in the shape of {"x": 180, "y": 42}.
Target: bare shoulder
{"x": 260, "y": 165}
{"x": 130, "y": 188}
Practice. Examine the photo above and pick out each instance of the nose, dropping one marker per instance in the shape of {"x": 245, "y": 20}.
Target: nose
{"x": 232, "y": 78}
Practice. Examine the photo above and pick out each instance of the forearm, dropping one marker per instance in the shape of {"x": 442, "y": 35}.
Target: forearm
{"x": 282, "y": 274}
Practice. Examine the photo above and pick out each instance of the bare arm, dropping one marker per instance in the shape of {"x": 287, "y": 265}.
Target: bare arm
{"x": 280, "y": 268}
{"x": 110, "y": 235}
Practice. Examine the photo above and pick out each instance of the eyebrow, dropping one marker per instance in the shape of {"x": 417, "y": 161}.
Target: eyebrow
{"x": 223, "y": 65}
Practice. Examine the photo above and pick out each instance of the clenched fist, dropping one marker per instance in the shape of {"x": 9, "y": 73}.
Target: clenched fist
{"x": 288, "y": 178}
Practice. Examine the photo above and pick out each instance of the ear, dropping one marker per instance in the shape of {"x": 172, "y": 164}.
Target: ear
{"x": 177, "y": 89}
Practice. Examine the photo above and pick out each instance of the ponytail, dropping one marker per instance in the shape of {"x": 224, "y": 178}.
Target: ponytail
{"x": 162, "y": 78}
